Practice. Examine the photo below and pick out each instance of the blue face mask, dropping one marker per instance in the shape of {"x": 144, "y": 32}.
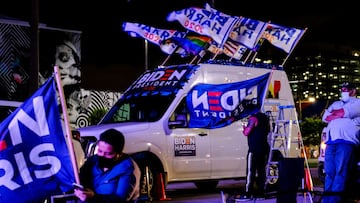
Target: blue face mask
{"x": 345, "y": 96}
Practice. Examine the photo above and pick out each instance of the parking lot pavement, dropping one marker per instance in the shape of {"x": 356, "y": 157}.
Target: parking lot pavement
{"x": 299, "y": 198}
{"x": 225, "y": 198}
{"x": 188, "y": 193}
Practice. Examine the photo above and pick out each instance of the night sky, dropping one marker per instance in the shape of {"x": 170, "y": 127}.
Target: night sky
{"x": 104, "y": 42}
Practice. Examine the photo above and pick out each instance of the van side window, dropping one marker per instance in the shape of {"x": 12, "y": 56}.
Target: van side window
{"x": 180, "y": 118}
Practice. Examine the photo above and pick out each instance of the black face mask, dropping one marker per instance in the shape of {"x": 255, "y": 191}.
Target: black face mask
{"x": 106, "y": 162}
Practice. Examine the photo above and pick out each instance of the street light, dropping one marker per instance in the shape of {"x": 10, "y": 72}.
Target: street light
{"x": 309, "y": 100}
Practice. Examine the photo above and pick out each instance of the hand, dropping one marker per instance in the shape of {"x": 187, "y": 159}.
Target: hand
{"x": 338, "y": 113}
{"x": 246, "y": 130}
{"x": 330, "y": 117}
{"x": 84, "y": 194}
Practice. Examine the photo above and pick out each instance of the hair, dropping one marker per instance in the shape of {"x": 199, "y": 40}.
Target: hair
{"x": 114, "y": 138}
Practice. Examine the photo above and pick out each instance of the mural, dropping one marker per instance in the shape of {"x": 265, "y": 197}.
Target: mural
{"x": 92, "y": 105}
{"x": 56, "y": 47}
{"x": 84, "y": 107}
{"x": 14, "y": 61}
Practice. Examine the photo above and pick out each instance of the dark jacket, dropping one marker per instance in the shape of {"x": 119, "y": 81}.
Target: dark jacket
{"x": 257, "y": 139}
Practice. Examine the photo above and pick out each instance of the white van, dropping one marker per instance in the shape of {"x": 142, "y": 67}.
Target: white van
{"x": 181, "y": 120}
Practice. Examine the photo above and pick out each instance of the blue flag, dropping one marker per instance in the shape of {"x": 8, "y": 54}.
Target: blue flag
{"x": 34, "y": 159}
{"x": 215, "y": 106}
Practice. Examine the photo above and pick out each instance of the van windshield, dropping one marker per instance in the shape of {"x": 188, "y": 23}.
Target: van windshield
{"x": 148, "y": 108}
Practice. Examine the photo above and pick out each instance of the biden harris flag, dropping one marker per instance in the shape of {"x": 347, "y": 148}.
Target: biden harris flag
{"x": 34, "y": 158}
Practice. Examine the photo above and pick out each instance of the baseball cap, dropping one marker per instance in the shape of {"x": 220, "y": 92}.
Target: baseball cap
{"x": 348, "y": 85}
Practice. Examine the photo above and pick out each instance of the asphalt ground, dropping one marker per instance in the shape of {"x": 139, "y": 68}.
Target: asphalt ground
{"x": 227, "y": 189}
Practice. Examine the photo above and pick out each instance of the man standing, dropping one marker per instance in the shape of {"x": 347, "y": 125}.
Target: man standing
{"x": 343, "y": 118}
{"x": 257, "y": 131}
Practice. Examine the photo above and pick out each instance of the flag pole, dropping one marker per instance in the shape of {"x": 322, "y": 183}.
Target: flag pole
{"x": 247, "y": 57}
{"x": 67, "y": 126}
{"x": 287, "y": 57}
{"x": 169, "y": 55}
{"x": 216, "y": 53}
{"x": 267, "y": 89}
{"x": 192, "y": 61}
{"x": 260, "y": 42}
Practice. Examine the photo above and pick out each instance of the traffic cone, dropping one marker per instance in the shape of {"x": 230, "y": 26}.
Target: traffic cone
{"x": 308, "y": 180}
{"x": 161, "y": 188}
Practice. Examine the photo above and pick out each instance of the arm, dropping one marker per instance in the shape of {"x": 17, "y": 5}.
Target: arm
{"x": 121, "y": 184}
{"x": 339, "y": 113}
{"x": 334, "y": 111}
{"x": 325, "y": 115}
{"x": 252, "y": 122}
{"x": 352, "y": 109}
{"x": 356, "y": 121}
{"x": 85, "y": 173}
{"x": 127, "y": 184}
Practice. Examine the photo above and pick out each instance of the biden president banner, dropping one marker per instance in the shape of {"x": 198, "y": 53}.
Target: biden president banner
{"x": 218, "y": 105}
{"x": 34, "y": 158}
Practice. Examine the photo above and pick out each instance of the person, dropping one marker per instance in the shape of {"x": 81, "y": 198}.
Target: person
{"x": 343, "y": 119}
{"x": 111, "y": 175}
{"x": 257, "y": 131}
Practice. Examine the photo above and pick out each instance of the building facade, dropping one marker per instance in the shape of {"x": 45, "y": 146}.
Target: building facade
{"x": 319, "y": 72}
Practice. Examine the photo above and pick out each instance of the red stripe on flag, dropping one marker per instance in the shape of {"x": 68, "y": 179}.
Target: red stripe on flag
{"x": 215, "y": 108}
{"x": 214, "y": 94}
{"x": 3, "y": 145}
{"x": 214, "y": 101}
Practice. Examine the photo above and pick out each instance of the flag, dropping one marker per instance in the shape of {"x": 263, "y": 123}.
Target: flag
{"x": 248, "y": 32}
{"x": 155, "y": 35}
{"x": 234, "y": 49}
{"x": 282, "y": 37}
{"x": 218, "y": 105}
{"x": 231, "y": 48}
{"x": 200, "y": 40}
{"x": 205, "y": 22}
{"x": 34, "y": 158}
{"x": 215, "y": 13}
{"x": 192, "y": 44}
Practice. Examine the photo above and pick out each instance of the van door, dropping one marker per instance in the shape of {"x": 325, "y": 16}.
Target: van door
{"x": 228, "y": 151}
{"x": 190, "y": 148}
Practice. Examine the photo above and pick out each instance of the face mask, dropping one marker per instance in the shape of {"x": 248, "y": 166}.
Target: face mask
{"x": 345, "y": 96}
{"x": 106, "y": 162}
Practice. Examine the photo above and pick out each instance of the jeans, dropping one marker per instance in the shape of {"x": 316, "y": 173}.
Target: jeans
{"x": 338, "y": 163}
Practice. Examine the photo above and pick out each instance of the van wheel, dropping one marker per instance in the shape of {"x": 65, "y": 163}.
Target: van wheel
{"x": 274, "y": 171}
{"x": 147, "y": 181}
{"x": 206, "y": 185}
{"x": 150, "y": 185}
{"x": 151, "y": 169}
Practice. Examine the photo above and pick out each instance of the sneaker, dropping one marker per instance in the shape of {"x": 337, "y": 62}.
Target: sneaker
{"x": 243, "y": 198}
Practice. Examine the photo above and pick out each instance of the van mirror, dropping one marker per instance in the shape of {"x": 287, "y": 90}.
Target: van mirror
{"x": 180, "y": 121}
{"x": 174, "y": 124}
